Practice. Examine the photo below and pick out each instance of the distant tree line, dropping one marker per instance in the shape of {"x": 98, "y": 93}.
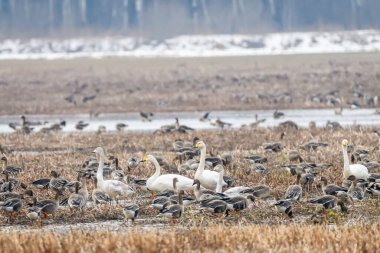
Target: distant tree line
{"x": 164, "y": 18}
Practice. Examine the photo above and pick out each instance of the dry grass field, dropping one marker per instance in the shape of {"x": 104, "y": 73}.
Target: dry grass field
{"x": 235, "y": 83}
{"x": 169, "y": 84}
{"x": 289, "y": 238}
{"x": 40, "y": 153}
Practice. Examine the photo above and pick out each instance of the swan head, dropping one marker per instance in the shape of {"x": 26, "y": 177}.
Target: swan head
{"x": 345, "y": 143}
{"x": 148, "y": 158}
{"x": 99, "y": 151}
{"x": 200, "y": 145}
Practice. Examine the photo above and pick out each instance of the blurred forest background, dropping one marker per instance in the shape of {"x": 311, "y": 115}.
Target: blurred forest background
{"x": 166, "y": 18}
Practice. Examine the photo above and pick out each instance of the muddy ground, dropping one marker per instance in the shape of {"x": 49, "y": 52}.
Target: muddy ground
{"x": 186, "y": 84}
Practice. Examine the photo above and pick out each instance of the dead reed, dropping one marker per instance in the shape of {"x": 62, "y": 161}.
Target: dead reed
{"x": 252, "y": 238}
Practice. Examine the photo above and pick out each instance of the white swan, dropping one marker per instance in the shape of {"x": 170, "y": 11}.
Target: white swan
{"x": 158, "y": 183}
{"x": 357, "y": 170}
{"x": 219, "y": 186}
{"x": 208, "y": 178}
{"x": 113, "y": 188}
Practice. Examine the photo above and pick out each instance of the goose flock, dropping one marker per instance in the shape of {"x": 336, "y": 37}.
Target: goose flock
{"x": 171, "y": 195}
{"x": 26, "y": 126}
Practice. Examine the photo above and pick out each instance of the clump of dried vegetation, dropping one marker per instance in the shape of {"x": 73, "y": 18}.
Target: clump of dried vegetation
{"x": 260, "y": 228}
{"x": 259, "y": 238}
{"x": 40, "y": 153}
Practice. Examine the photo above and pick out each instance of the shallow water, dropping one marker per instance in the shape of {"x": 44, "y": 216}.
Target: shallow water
{"x": 365, "y": 117}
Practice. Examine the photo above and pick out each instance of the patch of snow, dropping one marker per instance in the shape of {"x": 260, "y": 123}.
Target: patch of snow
{"x": 194, "y": 45}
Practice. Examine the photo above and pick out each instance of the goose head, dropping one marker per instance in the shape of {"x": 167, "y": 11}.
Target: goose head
{"x": 250, "y": 198}
{"x": 197, "y": 183}
{"x": 175, "y": 181}
{"x": 54, "y": 174}
{"x": 323, "y": 180}
{"x": 344, "y": 198}
{"x": 3, "y": 158}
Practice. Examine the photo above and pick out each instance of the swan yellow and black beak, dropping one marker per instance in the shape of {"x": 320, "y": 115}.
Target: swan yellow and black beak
{"x": 145, "y": 158}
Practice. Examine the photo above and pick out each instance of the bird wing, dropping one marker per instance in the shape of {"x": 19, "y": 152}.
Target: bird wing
{"x": 212, "y": 176}
{"x": 118, "y": 186}
{"x": 293, "y": 192}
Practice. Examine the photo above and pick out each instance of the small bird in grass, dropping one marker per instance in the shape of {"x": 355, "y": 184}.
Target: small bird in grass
{"x": 374, "y": 189}
{"x": 131, "y": 211}
{"x": 12, "y": 206}
{"x": 34, "y": 213}
{"x": 331, "y": 189}
{"x": 255, "y": 159}
{"x": 355, "y": 191}
{"x": 294, "y": 156}
{"x": 100, "y": 196}
{"x": 173, "y": 211}
{"x": 330, "y": 202}
{"x": 285, "y": 206}
{"x": 273, "y": 147}
{"x": 42, "y": 183}
{"x": 294, "y": 192}
{"x": 307, "y": 179}
{"x": 77, "y": 200}
{"x": 133, "y": 163}
{"x": 215, "y": 206}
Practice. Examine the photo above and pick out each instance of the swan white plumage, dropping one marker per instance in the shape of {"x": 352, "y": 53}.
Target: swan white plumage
{"x": 357, "y": 170}
{"x": 219, "y": 186}
{"x": 208, "y": 178}
{"x": 158, "y": 183}
{"x": 113, "y": 188}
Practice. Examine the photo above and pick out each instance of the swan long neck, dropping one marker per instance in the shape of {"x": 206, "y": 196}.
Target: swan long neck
{"x": 99, "y": 174}
{"x": 156, "y": 173}
{"x": 202, "y": 161}
{"x": 345, "y": 159}
{"x": 219, "y": 185}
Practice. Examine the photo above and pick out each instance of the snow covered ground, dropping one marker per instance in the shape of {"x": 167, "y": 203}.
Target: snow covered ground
{"x": 194, "y": 46}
